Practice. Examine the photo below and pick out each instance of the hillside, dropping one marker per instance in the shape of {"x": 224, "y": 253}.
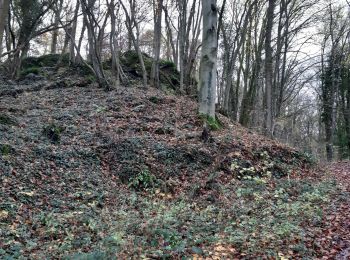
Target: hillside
{"x": 89, "y": 174}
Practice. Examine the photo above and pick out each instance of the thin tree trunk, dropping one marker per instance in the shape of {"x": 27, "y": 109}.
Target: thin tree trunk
{"x": 78, "y": 58}
{"x": 95, "y": 55}
{"x": 72, "y": 55}
{"x": 58, "y": 12}
{"x": 181, "y": 38}
{"x": 170, "y": 37}
{"x": 114, "y": 46}
{"x": 238, "y": 42}
{"x": 130, "y": 22}
{"x": 4, "y": 10}
{"x": 155, "y": 81}
{"x": 269, "y": 70}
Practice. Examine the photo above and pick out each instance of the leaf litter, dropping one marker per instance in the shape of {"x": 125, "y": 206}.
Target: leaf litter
{"x": 89, "y": 174}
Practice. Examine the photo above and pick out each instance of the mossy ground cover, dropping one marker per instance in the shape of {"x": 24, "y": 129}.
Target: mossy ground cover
{"x": 169, "y": 75}
{"x": 115, "y": 187}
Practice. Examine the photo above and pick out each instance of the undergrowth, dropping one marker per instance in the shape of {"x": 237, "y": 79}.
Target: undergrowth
{"x": 260, "y": 221}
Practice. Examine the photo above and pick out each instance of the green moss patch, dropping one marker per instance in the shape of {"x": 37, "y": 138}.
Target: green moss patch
{"x": 7, "y": 120}
{"x": 30, "y": 70}
{"x": 50, "y": 60}
{"x": 169, "y": 75}
{"x": 213, "y": 123}
{"x": 53, "y": 132}
{"x": 6, "y": 149}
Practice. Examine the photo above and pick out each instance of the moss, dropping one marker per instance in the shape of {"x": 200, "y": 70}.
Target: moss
{"x": 167, "y": 64}
{"x": 81, "y": 69}
{"x": 30, "y": 70}
{"x": 49, "y": 60}
{"x": 130, "y": 58}
{"x": 5, "y": 149}
{"x": 155, "y": 100}
{"x": 305, "y": 157}
{"x": 213, "y": 122}
{"x": 53, "y": 132}
{"x": 91, "y": 78}
{"x": 144, "y": 180}
{"x": 169, "y": 75}
{"x": 6, "y": 120}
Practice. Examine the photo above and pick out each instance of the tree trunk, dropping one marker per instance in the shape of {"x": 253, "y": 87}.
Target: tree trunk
{"x": 72, "y": 55}
{"x": 95, "y": 55}
{"x": 240, "y": 38}
{"x": 130, "y": 23}
{"x": 208, "y": 63}
{"x": 4, "y": 9}
{"x": 248, "y": 100}
{"x": 156, "y": 43}
{"x": 170, "y": 37}
{"x": 269, "y": 70}
{"x": 78, "y": 59}
{"x": 58, "y": 12}
{"x": 114, "y": 45}
{"x": 182, "y": 35}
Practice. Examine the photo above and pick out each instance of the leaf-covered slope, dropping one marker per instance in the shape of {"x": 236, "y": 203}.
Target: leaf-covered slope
{"x": 126, "y": 173}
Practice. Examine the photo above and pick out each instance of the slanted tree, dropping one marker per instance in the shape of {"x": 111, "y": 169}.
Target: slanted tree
{"x": 30, "y": 15}
{"x": 57, "y": 11}
{"x": 131, "y": 22}
{"x": 208, "y": 63}
{"x": 95, "y": 30}
{"x": 73, "y": 53}
{"x": 172, "y": 52}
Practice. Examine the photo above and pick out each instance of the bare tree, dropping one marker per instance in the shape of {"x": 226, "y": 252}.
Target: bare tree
{"x": 208, "y": 63}
{"x": 116, "y": 67}
{"x": 58, "y": 11}
{"x": 30, "y": 15}
{"x": 269, "y": 68}
{"x": 94, "y": 37}
{"x": 4, "y": 10}
{"x": 72, "y": 52}
{"x": 131, "y": 22}
{"x": 158, "y": 8}
{"x": 331, "y": 71}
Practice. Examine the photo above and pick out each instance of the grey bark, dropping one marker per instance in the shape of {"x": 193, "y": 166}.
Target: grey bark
{"x": 4, "y": 9}
{"x": 208, "y": 62}
{"x": 72, "y": 54}
{"x": 269, "y": 69}
{"x": 130, "y": 24}
{"x": 170, "y": 39}
{"x": 158, "y": 7}
{"x": 237, "y": 44}
{"x": 95, "y": 55}
{"x": 55, "y": 32}
{"x": 116, "y": 67}
{"x": 182, "y": 4}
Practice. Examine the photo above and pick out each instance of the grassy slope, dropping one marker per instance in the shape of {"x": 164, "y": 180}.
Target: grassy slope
{"x": 125, "y": 173}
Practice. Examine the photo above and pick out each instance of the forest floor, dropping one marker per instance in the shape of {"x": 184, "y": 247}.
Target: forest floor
{"x": 89, "y": 174}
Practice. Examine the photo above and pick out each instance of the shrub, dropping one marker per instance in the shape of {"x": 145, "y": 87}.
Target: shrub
{"x": 213, "y": 123}
{"x": 5, "y": 149}
{"x": 49, "y": 60}
{"x": 53, "y": 132}
{"x": 143, "y": 181}
{"x": 30, "y": 70}
{"x": 7, "y": 120}
{"x": 167, "y": 64}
